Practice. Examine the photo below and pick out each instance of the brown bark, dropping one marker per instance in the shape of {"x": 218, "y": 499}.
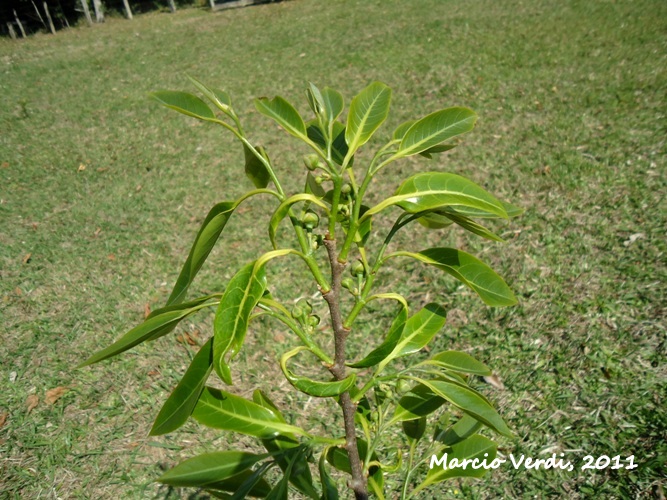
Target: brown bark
{"x": 358, "y": 483}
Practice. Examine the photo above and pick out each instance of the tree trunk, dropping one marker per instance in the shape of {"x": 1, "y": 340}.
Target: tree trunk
{"x": 48, "y": 16}
{"x": 99, "y": 14}
{"x": 12, "y": 31}
{"x": 18, "y": 21}
{"x": 128, "y": 11}
{"x": 172, "y": 5}
{"x": 86, "y": 11}
{"x": 212, "y": 4}
{"x": 39, "y": 15}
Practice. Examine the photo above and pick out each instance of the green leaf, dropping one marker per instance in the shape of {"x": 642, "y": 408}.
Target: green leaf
{"x": 333, "y": 103}
{"x": 510, "y": 210}
{"x": 338, "y": 147}
{"x": 338, "y": 458}
{"x": 300, "y": 477}
{"x": 441, "y": 148}
{"x": 417, "y": 403}
{"x": 185, "y": 103}
{"x": 434, "y": 220}
{"x": 329, "y": 488}
{"x": 470, "y": 271}
{"x": 463, "y": 429}
{"x": 254, "y": 483}
{"x": 435, "y": 129}
{"x": 414, "y": 429}
{"x": 367, "y": 112}
{"x": 221, "y": 410}
{"x": 255, "y": 168}
{"x": 208, "y": 234}
{"x": 231, "y": 319}
{"x": 475, "y": 447}
{"x": 470, "y": 401}
{"x": 418, "y": 331}
{"x": 283, "y": 209}
{"x": 315, "y": 100}
{"x": 472, "y": 226}
{"x": 284, "y": 114}
{"x": 437, "y": 190}
{"x": 160, "y": 321}
{"x": 314, "y": 387}
{"x": 459, "y": 362}
{"x": 402, "y": 129}
{"x": 218, "y": 97}
{"x": 313, "y": 187}
{"x": 384, "y": 349}
{"x": 183, "y": 399}
{"x": 209, "y": 469}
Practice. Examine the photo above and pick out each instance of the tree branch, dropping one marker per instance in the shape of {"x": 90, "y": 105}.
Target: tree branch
{"x": 358, "y": 484}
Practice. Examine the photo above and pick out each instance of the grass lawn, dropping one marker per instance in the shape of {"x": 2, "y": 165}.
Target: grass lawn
{"x": 102, "y": 192}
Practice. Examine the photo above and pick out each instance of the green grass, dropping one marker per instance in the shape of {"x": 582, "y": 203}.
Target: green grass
{"x": 571, "y": 98}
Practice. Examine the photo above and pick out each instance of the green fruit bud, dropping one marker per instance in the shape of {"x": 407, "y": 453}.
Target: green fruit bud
{"x": 346, "y": 189}
{"x": 348, "y": 283}
{"x": 312, "y": 162}
{"x": 310, "y": 220}
{"x": 313, "y": 320}
{"x": 357, "y": 268}
{"x": 297, "y": 312}
{"x": 304, "y": 305}
{"x": 319, "y": 180}
{"x": 403, "y": 386}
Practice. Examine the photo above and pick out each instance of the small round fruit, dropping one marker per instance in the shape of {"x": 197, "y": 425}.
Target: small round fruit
{"x": 310, "y": 220}
{"x": 357, "y": 268}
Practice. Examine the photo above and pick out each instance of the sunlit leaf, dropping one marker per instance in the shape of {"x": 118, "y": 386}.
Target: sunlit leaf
{"x": 231, "y": 319}
{"x": 182, "y": 401}
{"x": 204, "y": 242}
{"x": 218, "y": 97}
{"x": 283, "y": 113}
{"x": 384, "y": 349}
{"x": 437, "y": 190}
{"x": 367, "y": 112}
{"x": 333, "y": 103}
{"x": 418, "y": 332}
{"x": 185, "y": 103}
{"x": 435, "y": 129}
{"x": 210, "y": 469}
{"x": 470, "y": 271}
{"x": 161, "y": 320}
{"x": 460, "y": 362}
{"x": 222, "y": 410}
{"x": 314, "y": 387}
{"x": 470, "y": 401}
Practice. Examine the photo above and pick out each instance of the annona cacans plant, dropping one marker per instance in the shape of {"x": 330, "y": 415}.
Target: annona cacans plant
{"x": 379, "y": 397}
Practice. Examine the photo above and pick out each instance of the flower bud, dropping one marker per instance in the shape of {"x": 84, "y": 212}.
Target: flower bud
{"x": 297, "y": 312}
{"x": 348, "y": 283}
{"x": 304, "y": 305}
{"x": 312, "y": 162}
{"x": 403, "y": 386}
{"x": 357, "y": 268}
{"x": 346, "y": 189}
{"x": 313, "y": 320}
{"x": 310, "y": 220}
